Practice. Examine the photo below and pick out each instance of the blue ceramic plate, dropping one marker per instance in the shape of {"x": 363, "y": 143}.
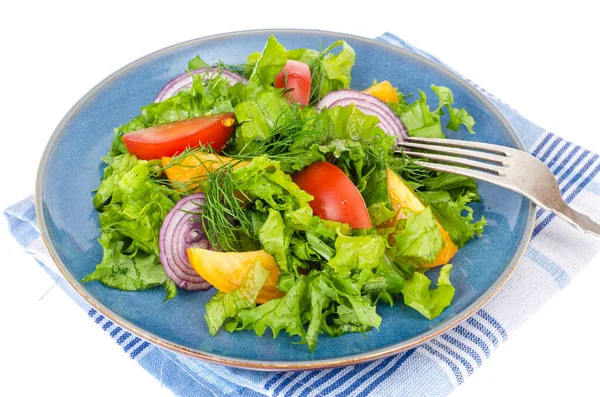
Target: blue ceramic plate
{"x": 71, "y": 168}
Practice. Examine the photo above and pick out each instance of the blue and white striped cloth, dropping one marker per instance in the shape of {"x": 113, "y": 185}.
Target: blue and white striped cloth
{"x": 434, "y": 368}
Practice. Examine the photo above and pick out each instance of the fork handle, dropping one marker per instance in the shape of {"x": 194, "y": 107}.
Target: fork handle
{"x": 578, "y": 220}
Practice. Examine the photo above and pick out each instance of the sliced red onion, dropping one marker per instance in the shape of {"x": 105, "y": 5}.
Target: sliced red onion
{"x": 368, "y": 104}
{"x": 182, "y": 229}
{"x": 185, "y": 80}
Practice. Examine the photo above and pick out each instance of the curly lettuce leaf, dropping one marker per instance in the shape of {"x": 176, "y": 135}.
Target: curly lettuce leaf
{"x": 421, "y": 121}
{"x": 350, "y": 123}
{"x": 421, "y": 240}
{"x": 133, "y": 271}
{"x": 317, "y": 300}
{"x": 304, "y": 55}
{"x": 197, "y": 63}
{"x": 457, "y": 117}
{"x": 267, "y": 67}
{"x": 321, "y": 295}
{"x": 223, "y": 306}
{"x": 449, "y": 182}
{"x": 257, "y": 118}
{"x": 275, "y": 239}
{"x": 429, "y": 302}
{"x": 357, "y": 253}
{"x": 375, "y": 194}
{"x": 352, "y": 310}
{"x": 132, "y": 207}
{"x": 418, "y": 119}
{"x": 315, "y": 243}
{"x": 455, "y": 216}
{"x": 448, "y": 195}
{"x": 264, "y": 179}
{"x": 380, "y": 213}
{"x": 330, "y": 68}
{"x": 331, "y": 71}
{"x": 359, "y": 147}
{"x": 278, "y": 314}
{"x": 115, "y": 171}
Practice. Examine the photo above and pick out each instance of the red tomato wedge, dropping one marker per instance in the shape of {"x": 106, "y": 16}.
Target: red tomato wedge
{"x": 295, "y": 77}
{"x": 166, "y": 140}
{"x": 335, "y": 196}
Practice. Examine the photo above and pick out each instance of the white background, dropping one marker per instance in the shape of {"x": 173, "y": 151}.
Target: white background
{"x": 541, "y": 59}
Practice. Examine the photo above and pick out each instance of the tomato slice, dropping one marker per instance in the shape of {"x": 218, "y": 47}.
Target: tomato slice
{"x": 295, "y": 77}
{"x": 167, "y": 140}
{"x": 335, "y": 196}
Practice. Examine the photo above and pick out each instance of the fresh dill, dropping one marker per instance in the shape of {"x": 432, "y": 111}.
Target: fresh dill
{"x": 405, "y": 166}
{"x": 288, "y": 141}
{"x": 178, "y": 159}
{"x": 189, "y": 158}
{"x": 224, "y": 211}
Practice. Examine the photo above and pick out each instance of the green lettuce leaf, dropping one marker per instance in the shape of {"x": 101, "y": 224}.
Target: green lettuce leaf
{"x": 380, "y": 213}
{"x": 330, "y": 68}
{"x": 350, "y": 123}
{"x": 354, "y": 311}
{"x": 275, "y": 239}
{"x": 421, "y": 240}
{"x": 418, "y": 119}
{"x": 132, "y": 207}
{"x": 304, "y": 55}
{"x": 197, "y": 63}
{"x": 327, "y": 302}
{"x": 278, "y": 314}
{"x": 359, "y": 146}
{"x": 264, "y": 179}
{"x": 330, "y": 71}
{"x": 134, "y": 271}
{"x": 267, "y": 67}
{"x": 315, "y": 244}
{"x": 223, "y": 306}
{"x": 449, "y": 182}
{"x": 359, "y": 252}
{"x": 257, "y": 118}
{"x": 429, "y": 302}
{"x": 357, "y": 314}
{"x": 456, "y": 116}
{"x": 448, "y": 195}
{"x": 455, "y": 215}
{"x": 321, "y": 294}
{"x": 115, "y": 171}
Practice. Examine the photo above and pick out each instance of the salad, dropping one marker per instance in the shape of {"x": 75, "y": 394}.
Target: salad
{"x": 283, "y": 188}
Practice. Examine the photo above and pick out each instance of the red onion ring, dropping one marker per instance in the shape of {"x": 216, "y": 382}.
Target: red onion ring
{"x": 182, "y": 229}
{"x": 368, "y": 104}
{"x": 185, "y": 80}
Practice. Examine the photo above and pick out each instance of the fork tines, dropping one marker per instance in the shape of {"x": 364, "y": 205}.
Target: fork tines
{"x": 492, "y": 158}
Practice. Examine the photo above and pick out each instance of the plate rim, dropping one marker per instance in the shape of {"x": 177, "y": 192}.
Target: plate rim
{"x": 277, "y": 365}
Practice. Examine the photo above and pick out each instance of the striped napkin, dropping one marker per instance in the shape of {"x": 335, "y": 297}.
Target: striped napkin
{"x": 434, "y": 368}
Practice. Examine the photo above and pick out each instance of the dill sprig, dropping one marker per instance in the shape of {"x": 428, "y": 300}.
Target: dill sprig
{"x": 223, "y": 211}
{"x": 288, "y": 129}
{"x": 224, "y": 208}
{"x": 405, "y": 166}
{"x": 178, "y": 159}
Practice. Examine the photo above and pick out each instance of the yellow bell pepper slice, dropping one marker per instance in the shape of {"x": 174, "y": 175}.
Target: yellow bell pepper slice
{"x": 383, "y": 91}
{"x": 226, "y": 270}
{"x": 401, "y": 196}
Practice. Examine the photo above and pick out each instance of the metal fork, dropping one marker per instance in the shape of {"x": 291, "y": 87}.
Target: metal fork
{"x": 512, "y": 169}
